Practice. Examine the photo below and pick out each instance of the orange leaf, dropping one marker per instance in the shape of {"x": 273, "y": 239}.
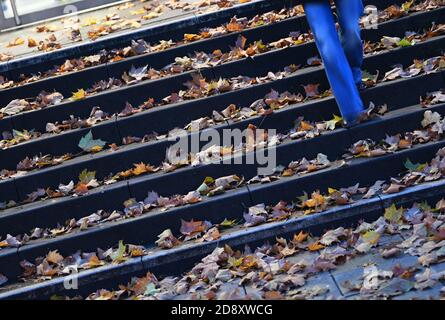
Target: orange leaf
{"x": 302, "y": 236}
{"x": 273, "y": 295}
{"x": 315, "y": 246}
{"x": 141, "y": 168}
{"x": 81, "y": 188}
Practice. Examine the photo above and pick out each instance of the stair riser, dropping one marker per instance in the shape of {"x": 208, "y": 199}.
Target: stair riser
{"x": 144, "y": 229}
{"x": 114, "y": 102}
{"x": 89, "y": 76}
{"x": 176, "y": 261}
{"x": 154, "y": 153}
{"x": 138, "y": 125}
{"x": 169, "y": 30}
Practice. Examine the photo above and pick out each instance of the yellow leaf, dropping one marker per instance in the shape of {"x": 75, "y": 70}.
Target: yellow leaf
{"x": 371, "y": 237}
{"x": 141, "y": 168}
{"x": 191, "y": 37}
{"x": 135, "y": 24}
{"x": 31, "y": 42}
{"x": 79, "y": 95}
{"x": 137, "y": 252}
{"x": 233, "y": 262}
{"x": 394, "y": 215}
{"x": 138, "y": 12}
{"x": 96, "y": 149}
{"x": 151, "y": 15}
{"x": 315, "y": 246}
{"x": 16, "y": 42}
{"x": 407, "y": 5}
{"x": 331, "y": 124}
{"x": 316, "y": 200}
{"x": 90, "y": 22}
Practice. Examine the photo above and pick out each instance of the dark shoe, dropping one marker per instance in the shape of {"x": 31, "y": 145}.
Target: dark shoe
{"x": 361, "y": 117}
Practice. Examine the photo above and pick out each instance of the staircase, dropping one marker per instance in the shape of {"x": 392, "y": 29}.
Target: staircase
{"x": 35, "y": 190}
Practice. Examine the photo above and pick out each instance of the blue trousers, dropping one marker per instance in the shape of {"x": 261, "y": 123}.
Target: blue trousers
{"x": 342, "y": 54}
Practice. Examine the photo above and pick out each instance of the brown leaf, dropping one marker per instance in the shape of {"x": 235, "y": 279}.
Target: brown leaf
{"x": 54, "y": 257}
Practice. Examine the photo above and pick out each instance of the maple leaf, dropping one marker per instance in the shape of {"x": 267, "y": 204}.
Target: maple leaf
{"x": 372, "y": 237}
{"x": 150, "y": 289}
{"x": 88, "y": 144}
{"x": 331, "y": 124}
{"x": 190, "y": 228}
{"x": 167, "y": 240}
{"x": 86, "y": 176}
{"x": 228, "y": 223}
{"x": 430, "y": 117}
{"x": 94, "y": 262}
{"x": 79, "y": 95}
{"x": 16, "y": 42}
{"x": 138, "y": 73}
{"x": 118, "y": 255}
{"x": 81, "y": 188}
{"x": 151, "y": 15}
{"x": 332, "y": 236}
{"x": 300, "y": 237}
{"x": 54, "y": 257}
{"x": 315, "y": 246}
{"x": 394, "y": 215}
{"x": 411, "y": 166}
{"x": 141, "y": 168}
{"x": 234, "y": 263}
{"x": 191, "y": 37}
{"x": 45, "y": 269}
{"x": 316, "y": 200}
{"x": 311, "y": 90}
{"x": 404, "y": 43}
{"x": 31, "y": 42}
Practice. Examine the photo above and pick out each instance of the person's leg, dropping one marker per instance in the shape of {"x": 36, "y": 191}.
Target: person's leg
{"x": 321, "y": 22}
{"x": 349, "y": 13}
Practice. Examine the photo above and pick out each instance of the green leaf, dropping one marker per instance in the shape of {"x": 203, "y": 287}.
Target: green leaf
{"x": 150, "y": 289}
{"x": 86, "y": 176}
{"x": 407, "y": 5}
{"x": 118, "y": 255}
{"x": 19, "y": 134}
{"x": 411, "y": 166}
{"x": 394, "y": 215}
{"x": 87, "y": 143}
{"x": 414, "y": 166}
{"x": 404, "y": 43}
{"x": 203, "y": 189}
{"x": 304, "y": 197}
{"x": 234, "y": 263}
{"x": 228, "y": 223}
